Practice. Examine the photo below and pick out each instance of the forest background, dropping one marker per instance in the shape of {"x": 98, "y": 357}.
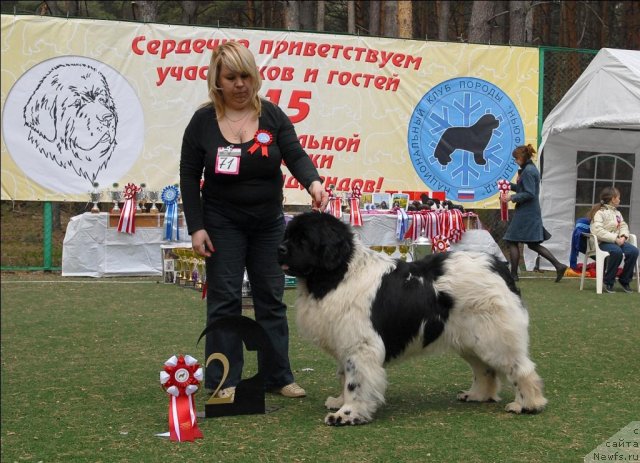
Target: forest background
{"x": 583, "y": 25}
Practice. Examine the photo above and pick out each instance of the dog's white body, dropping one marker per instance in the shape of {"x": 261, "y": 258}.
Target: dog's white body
{"x": 486, "y": 324}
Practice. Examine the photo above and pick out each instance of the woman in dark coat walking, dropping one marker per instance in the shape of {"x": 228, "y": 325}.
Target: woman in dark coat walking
{"x": 526, "y": 224}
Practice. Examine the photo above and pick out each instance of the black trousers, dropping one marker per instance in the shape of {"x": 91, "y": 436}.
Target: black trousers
{"x": 252, "y": 244}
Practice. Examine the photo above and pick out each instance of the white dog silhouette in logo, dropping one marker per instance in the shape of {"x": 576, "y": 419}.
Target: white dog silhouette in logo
{"x": 72, "y": 119}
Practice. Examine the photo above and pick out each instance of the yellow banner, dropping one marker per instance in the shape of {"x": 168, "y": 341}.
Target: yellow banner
{"x": 91, "y": 102}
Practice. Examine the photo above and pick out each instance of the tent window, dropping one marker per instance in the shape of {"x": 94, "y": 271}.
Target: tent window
{"x": 599, "y": 170}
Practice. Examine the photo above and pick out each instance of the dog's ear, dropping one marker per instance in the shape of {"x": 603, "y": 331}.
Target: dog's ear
{"x": 40, "y": 111}
{"x": 334, "y": 255}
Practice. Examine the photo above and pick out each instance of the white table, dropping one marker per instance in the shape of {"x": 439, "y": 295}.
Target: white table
{"x": 380, "y": 229}
{"x": 93, "y": 248}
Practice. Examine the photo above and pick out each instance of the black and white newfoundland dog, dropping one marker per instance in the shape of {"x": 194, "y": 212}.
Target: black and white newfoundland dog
{"x": 367, "y": 309}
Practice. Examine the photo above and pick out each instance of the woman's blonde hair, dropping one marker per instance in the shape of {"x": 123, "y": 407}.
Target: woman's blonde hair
{"x": 237, "y": 58}
{"x": 524, "y": 151}
{"x": 606, "y": 195}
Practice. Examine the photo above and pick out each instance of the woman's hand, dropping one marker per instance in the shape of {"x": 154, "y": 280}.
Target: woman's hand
{"x": 319, "y": 196}
{"x": 201, "y": 243}
{"x": 620, "y": 240}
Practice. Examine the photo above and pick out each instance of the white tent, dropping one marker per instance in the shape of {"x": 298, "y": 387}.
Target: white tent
{"x": 600, "y": 113}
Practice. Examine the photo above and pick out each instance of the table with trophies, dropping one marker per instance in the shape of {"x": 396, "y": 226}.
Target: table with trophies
{"x": 379, "y": 231}
{"x": 95, "y": 244}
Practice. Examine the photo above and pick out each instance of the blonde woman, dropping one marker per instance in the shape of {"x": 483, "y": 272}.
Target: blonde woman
{"x": 612, "y": 232}
{"x": 239, "y": 141}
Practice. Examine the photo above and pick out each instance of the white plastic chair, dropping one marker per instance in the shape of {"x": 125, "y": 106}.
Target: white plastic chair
{"x": 594, "y": 250}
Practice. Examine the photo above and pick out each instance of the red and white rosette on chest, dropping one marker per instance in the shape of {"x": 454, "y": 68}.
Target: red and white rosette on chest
{"x": 180, "y": 379}
{"x": 354, "y": 207}
{"x": 262, "y": 139}
{"x": 127, "y": 222}
{"x": 504, "y": 186}
{"x": 441, "y": 243}
{"x": 334, "y": 206}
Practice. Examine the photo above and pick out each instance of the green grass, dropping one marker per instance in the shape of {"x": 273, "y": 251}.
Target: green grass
{"x": 80, "y": 382}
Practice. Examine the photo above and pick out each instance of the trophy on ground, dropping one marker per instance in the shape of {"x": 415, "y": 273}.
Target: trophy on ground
{"x": 95, "y": 198}
{"x": 116, "y": 197}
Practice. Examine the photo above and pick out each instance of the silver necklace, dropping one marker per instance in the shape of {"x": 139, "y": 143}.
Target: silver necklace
{"x": 239, "y": 132}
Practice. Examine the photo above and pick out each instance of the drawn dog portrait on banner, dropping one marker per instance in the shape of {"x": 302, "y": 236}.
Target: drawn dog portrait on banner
{"x": 74, "y": 121}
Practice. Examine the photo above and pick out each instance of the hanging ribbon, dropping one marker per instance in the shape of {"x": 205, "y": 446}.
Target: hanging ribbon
{"x": 354, "y": 206}
{"x": 334, "y": 206}
{"x": 127, "y": 222}
{"x": 402, "y": 223}
{"x": 441, "y": 244}
{"x": 457, "y": 227}
{"x": 262, "y": 139}
{"x": 504, "y": 186}
{"x": 180, "y": 379}
{"x": 169, "y": 197}
{"x": 417, "y": 226}
{"x": 431, "y": 225}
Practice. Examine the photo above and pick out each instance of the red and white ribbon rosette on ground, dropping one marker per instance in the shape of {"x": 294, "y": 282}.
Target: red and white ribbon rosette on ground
{"x": 127, "y": 222}
{"x": 504, "y": 186}
{"x": 354, "y": 207}
{"x": 441, "y": 243}
{"x": 262, "y": 139}
{"x": 180, "y": 379}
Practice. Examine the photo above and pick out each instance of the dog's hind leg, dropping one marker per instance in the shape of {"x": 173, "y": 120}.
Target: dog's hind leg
{"x": 365, "y": 382}
{"x": 528, "y": 388}
{"x": 486, "y": 384}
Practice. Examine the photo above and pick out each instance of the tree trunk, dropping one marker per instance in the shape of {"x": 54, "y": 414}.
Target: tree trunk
{"x": 251, "y": 12}
{"x": 145, "y": 10}
{"x": 444, "y": 14}
{"x": 518, "y": 34}
{"x": 320, "y": 16}
{"x": 479, "y": 26}
{"x": 351, "y": 16}
{"x": 405, "y": 19}
{"x": 292, "y": 15}
{"x": 569, "y": 37}
{"x": 374, "y": 17}
{"x": 189, "y": 11}
{"x": 390, "y": 18}
{"x": 307, "y": 16}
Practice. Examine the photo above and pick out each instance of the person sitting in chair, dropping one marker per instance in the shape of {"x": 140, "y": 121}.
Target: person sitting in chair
{"x": 612, "y": 232}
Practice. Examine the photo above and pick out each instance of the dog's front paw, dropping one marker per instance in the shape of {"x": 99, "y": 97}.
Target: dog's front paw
{"x": 468, "y": 396}
{"x": 514, "y": 407}
{"x": 344, "y": 417}
{"x": 334, "y": 403}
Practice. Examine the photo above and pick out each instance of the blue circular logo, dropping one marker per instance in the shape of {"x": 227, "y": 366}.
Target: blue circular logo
{"x": 461, "y": 136}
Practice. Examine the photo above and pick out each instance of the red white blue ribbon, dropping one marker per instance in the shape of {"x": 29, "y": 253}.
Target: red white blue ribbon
{"x": 180, "y": 379}
{"x": 127, "y": 222}
{"x": 504, "y": 186}
{"x": 169, "y": 197}
{"x": 262, "y": 139}
{"x": 402, "y": 223}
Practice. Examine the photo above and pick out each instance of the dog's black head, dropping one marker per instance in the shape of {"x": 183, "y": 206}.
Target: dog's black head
{"x": 317, "y": 247}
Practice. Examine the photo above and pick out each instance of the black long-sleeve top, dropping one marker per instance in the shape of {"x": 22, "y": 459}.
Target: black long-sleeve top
{"x": 256, "y": 190}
